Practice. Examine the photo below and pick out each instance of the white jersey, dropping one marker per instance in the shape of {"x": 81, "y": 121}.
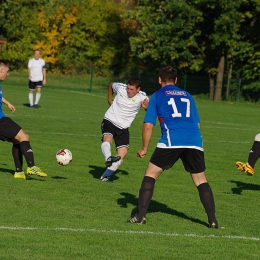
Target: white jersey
{"x": 124, "y": 109}
{"x": 36, "y": 67}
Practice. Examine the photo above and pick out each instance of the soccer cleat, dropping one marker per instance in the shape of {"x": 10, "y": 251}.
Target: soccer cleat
{"x": 19, "y": 175}
{"x": 36, "y": 106}
{"x": 106, "y": 179}
{"x": 213, "y": 225}
{"x": 135, "y": 219}
{"x": 111, "y": 160}
{"x": 245, "y": 167}
{"x": 34, "y": 170}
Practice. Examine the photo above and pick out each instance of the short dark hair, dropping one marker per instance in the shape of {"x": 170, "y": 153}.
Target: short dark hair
{"x": 134, "y": 81}
{"x": 167, "y": 73}
{"x": 4, "y": 63}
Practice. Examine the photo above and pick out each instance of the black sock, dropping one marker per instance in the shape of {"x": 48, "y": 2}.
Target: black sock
{"x": 18, "y": 157}
{"x": 27, "y": 153}
{"x": 145, "y": 195}
{"x": 207, "y": 200}
{"x": 254, "y": 153}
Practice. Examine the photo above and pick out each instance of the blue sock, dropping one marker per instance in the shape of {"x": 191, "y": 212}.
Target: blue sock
{"x": 107, "y": 173}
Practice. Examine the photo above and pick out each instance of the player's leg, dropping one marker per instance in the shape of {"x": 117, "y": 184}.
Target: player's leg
{"x": 121, "y": 152}
{"x": 253, "y": 156}
{"x": 206, "y": 197}
{"x": 106, "y": 145}
{"x": 38, "y": 94}
{"x": 108, "y": 130}
{"x": 18, "y": 161}
{"x": 122, "y": 138}
{"x": 193, "y": 161}
{"x": 31, "y": 91}
{"x": 27, "y": 152}
{"x": 161, "y": 159}
{"x": 254, "y": 153}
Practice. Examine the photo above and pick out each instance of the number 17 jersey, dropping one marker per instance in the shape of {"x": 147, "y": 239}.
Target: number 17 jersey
{"x": 178, "y": 116}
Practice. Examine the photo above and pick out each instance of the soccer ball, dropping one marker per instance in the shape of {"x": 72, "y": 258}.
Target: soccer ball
{"x": 64, "y": 156}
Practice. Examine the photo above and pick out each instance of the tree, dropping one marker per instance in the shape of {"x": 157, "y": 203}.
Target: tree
{"x": 202, "y": 35}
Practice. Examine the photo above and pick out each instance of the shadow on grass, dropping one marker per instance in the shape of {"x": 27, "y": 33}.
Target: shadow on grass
{"x": 240, "y": 186}
{"x": 97, "y": 171}
{"x": 26, "y": 104}
{"x": 7, "y": 170}
{"x": 155, "y": 207}
{"x": 58, "y": 178}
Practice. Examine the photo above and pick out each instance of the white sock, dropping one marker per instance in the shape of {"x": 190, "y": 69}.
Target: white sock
{"x": 106, "y": 149}
{"x": 37, "y": 98}
{"x": 31, "y": 99}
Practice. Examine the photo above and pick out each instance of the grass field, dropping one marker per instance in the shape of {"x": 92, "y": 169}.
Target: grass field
{"x": 73, "y": 215}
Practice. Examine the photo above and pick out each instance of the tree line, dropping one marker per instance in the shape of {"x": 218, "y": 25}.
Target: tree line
{"x": 218, "y": 38}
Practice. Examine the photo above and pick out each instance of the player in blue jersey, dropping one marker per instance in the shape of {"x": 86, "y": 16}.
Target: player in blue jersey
{"x": 181, "y": 139}
{"x": 12, "y": 132}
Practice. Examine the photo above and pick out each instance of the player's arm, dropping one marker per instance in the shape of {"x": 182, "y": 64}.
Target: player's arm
{"x": 10, "y": 106}
{"x": 110, "y": 94}
{"x": 146, "y": 137}
{"x": 145, "y": 103}
{"x": 29, "y": 73}
{"x": 44, "y": 75}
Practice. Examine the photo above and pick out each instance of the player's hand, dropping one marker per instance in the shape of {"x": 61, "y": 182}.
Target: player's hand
{"x": 145, "y": 103}
{"x": 110, "y": 102}
{"x": 141, "y": 153}
{"x": 11, "y": 107}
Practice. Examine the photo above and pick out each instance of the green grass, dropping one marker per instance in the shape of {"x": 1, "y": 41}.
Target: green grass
{"x": 73, "y": 215}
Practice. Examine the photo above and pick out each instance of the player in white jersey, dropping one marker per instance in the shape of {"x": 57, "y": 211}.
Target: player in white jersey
{"x": 118, "y": 118}
{"x": 37, "y": 78}
{"x": 253, "y": 156}
{"x": 181, "y": 139}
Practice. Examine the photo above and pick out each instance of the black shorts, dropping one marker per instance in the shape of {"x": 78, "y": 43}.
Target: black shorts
{"x": 121, "y": 136}
{"x": 192, "y": 159}
{"x": 8, "y": 129}
{"x": 33, "y": 85}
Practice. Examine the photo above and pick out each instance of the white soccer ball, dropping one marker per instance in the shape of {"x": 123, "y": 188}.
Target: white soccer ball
{"x": 64, "y": 157}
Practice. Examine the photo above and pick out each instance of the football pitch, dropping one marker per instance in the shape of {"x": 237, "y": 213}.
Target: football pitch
{"x": 71, "y": 214}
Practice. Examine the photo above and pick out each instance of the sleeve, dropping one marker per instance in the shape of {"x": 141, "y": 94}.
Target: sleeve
{"x": 151, "y": 113}
{"x": 117, "y": 86}
{"x": 143, "y": 95}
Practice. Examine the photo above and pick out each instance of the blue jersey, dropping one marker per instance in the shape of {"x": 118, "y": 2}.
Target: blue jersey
{"x": 178, "y": 117}
{"x": 1, "y": 103}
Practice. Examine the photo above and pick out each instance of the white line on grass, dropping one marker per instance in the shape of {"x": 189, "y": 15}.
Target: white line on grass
{"x": 132, "y": 232}
{"x": 84, "y": 93}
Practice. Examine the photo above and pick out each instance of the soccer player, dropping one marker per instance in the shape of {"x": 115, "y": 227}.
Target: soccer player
{"x": 181, "y": 139}
{"x": 12, "y": 132}
{"x": 37, "y": 77}
{"x": 118, "y": 118}
{"x": 253, "y": 156}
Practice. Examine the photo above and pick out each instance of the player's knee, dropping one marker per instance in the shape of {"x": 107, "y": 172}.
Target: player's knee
{"x": 257, "y": 137}
{"x": 22, "y": 136}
